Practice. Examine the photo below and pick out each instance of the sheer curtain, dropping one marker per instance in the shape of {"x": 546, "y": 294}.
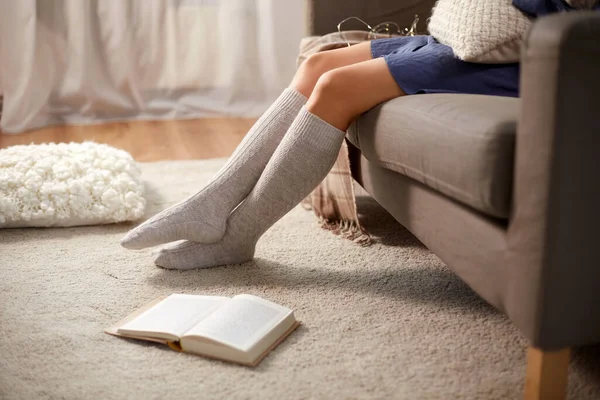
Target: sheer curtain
{"x": 90, "y": 61}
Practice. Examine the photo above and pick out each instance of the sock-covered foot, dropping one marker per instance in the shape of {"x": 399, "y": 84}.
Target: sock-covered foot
{"x": 301, "y": 161}
{"x": 189, "y": 255}
{"x": 202, "y": 217}
{"x": 181, "y": 221}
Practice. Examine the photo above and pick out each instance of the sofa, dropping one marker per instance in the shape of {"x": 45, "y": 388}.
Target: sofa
{"x": 504, "y": 190}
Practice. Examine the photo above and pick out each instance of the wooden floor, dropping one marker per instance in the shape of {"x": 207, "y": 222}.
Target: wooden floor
{"x": 150, "y": 140}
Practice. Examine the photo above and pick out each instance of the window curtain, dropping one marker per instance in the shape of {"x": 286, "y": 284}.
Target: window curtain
{"x": 92, "y": 61}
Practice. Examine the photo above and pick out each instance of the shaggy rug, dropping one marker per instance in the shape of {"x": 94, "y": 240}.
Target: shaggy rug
{"x": 386, "y": 321}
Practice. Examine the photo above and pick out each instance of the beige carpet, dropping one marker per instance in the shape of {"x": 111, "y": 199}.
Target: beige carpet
{"x": 389, "y": 321}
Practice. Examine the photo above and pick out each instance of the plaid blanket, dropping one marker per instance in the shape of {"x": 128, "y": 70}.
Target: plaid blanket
{"x": 333, "y": 201}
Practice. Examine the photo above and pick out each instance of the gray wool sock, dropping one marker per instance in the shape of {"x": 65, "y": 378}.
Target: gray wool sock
{"x": 203, "y": 216}
{"x": 300, "y": 163}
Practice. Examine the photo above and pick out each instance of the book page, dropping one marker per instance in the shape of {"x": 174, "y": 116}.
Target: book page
{"x": 241, "y": 322}
{"x": 174, "y": 315}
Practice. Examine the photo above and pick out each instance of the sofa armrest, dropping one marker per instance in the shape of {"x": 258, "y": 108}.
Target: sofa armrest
{"x": 325, "y": 15}
{"x": 554, "y": 257}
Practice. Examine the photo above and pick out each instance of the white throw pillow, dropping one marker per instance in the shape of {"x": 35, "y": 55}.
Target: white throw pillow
{"x": 67, "y": 185}
{"x": 482, "y": 31}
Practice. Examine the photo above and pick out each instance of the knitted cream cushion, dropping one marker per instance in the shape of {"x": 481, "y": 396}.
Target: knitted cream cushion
{"x": 68, "y": 184}
{"x": 482, "y": 31}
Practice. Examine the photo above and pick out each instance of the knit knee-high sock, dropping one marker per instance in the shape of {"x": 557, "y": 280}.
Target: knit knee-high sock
{"x": 300, "y": 163}
{"x": 202, "y": 217}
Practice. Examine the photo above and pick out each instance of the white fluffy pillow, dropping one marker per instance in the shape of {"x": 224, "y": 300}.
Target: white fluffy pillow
{"x": 68, "y": 185}
{"x": 483, "y": 31}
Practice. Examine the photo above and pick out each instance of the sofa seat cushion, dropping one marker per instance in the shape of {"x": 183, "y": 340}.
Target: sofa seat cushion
{"x": 460, "y": 145}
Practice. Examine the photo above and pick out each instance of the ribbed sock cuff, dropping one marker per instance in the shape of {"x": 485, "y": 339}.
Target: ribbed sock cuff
{"x": 291, "y": 98}
{"x": 317, "y": 132}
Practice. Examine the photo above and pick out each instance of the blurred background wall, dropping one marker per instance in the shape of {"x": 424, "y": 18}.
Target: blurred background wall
{"x": 92, "y": 61}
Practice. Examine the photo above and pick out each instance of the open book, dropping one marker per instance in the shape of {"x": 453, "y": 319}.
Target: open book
{"x": 242, "y": 329}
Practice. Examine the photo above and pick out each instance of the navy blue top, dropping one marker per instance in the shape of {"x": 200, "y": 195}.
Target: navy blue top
{"x": 538, "y": 8}
{"x": 420, "y": 64}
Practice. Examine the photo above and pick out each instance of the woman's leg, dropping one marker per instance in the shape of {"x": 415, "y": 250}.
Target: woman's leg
{"x": 301, "y": 161}
{"x": 319, "y": 63}
{"x": 202, "y": 217}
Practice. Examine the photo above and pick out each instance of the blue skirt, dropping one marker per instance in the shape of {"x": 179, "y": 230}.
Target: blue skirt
{"x": 420, "y": 64}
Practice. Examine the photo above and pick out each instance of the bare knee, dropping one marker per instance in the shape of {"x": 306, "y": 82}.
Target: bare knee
{"x": 310, "y": 71}
{"x": 331, "y": 86}
{"x": 318, "y": 63}
{"x": 333, "y": 99}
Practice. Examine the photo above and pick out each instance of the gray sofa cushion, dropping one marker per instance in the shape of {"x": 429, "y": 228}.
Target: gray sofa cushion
{"x": 460, "y": 145}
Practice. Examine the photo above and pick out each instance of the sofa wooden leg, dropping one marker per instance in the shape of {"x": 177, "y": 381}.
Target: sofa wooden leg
{"x": 547, "y": 373}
